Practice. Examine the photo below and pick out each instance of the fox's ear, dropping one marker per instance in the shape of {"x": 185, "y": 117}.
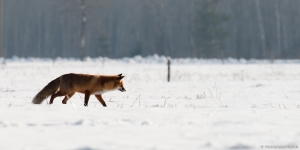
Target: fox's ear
{"x": 120, "y": 75}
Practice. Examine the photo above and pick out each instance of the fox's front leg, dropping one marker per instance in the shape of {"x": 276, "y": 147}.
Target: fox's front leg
{"x": 99, "y": 97}
{"x": 86, "y": 98}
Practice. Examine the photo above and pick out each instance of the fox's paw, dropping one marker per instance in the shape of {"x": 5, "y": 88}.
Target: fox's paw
{"x": 85, "y": 105}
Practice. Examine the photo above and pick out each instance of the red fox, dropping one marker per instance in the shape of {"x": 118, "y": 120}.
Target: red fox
{"x": 66, "y": 85}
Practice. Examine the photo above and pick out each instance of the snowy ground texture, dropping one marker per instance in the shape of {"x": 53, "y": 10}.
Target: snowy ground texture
{"x": 207, "y": 105}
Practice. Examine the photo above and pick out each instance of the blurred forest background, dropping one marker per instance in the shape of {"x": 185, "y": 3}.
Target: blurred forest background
{"x": 262, "y": 29}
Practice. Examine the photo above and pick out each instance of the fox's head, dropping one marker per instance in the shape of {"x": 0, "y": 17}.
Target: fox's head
{"x": 119, "y": 83}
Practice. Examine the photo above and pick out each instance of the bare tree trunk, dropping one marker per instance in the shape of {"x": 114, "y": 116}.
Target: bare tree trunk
{"x": 2, "y": 54}
{"x": 82, "y": 29}
{"x": 261, "y": 28}
{"x": 114, "y": 33}
{"x": 39, "y": 42}
{"x": 16, "y": 36}
{"x": 165, "y": 29}
{"x": 278, "y": 25}
{"x": 192, "y": 27}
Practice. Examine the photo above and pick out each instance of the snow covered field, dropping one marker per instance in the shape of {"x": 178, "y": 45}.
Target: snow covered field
{"x": 207, "y": 105}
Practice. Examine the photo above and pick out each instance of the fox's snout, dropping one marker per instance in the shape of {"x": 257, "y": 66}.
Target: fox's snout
{"x": 122, "y": 89}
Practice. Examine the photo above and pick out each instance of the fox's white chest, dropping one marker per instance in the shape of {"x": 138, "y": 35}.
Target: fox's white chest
{"x": 101, "y": 92}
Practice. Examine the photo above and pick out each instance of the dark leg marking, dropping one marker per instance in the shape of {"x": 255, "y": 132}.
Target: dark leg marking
{"x": 86, "y": 98}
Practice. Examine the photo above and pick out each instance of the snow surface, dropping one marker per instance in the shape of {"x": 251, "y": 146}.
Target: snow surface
{"x": 207, "y": 105}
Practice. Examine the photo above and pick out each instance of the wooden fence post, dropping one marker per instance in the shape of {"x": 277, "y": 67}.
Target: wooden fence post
{"x": 169, "y": 63}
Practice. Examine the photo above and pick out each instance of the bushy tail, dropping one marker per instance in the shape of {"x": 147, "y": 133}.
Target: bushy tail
{"x": 48, "y": 90}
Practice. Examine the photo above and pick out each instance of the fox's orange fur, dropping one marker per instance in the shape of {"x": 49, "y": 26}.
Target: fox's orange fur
{"x": 67, "y": 85}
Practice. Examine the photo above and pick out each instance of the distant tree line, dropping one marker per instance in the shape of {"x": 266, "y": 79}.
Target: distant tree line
{"x": 266, "y": 29}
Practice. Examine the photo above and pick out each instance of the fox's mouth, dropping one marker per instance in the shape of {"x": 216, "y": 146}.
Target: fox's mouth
{"x": 122, "y": 89}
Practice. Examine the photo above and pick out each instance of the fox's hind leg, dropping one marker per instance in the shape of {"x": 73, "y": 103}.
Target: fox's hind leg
{"x": 59, "y": 93}
{"x": 99, "y": 97}
{"x": 64, "y": 101}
